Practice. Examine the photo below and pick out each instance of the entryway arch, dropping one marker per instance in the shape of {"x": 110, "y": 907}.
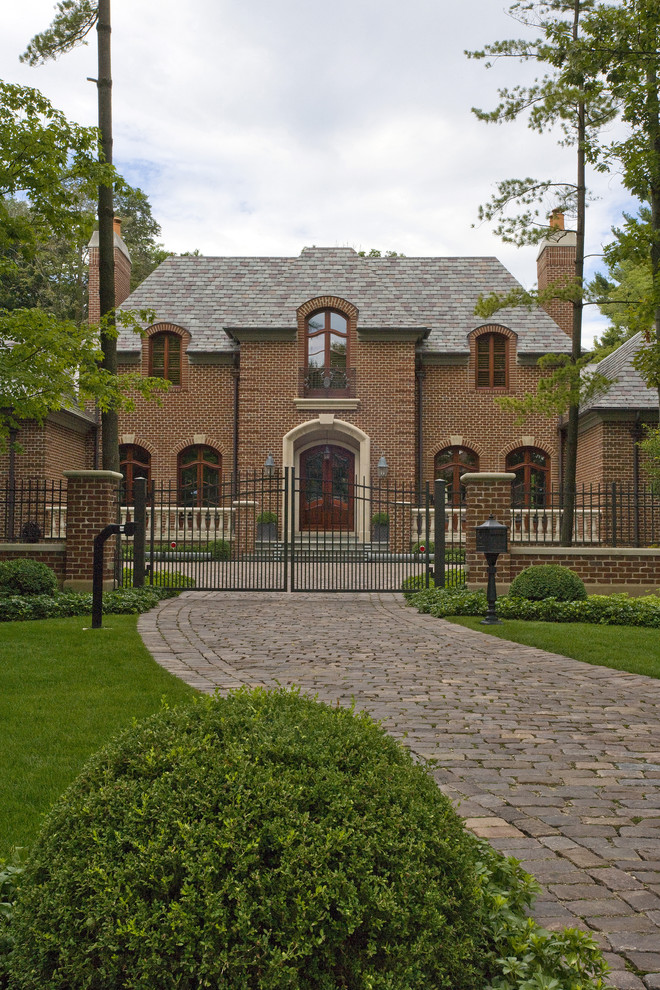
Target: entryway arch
{"x": 337, "y": 435}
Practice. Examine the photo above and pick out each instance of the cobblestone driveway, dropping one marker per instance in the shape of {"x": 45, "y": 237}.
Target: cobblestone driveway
{"x": 555, "y": 761}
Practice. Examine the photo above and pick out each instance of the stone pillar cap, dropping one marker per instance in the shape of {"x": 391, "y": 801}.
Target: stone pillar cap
{"x": 487, "y": 476}
{"x": 94, "y": 475}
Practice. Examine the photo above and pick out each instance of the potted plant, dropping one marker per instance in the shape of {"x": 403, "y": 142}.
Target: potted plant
{"x": 267, "y": 526}
{"x": 380, "y": 527}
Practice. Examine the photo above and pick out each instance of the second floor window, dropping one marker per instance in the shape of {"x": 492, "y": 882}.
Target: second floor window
{"x": 165, "y": 357}
{"x": 491, "y": 361}
{"x": 326, "y": 350}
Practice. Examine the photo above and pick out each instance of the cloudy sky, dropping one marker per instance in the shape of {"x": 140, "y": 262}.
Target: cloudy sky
{"x": 263, "y": 126}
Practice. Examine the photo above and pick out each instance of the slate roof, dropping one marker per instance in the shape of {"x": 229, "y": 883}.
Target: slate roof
{"x": 628, "y": 390}
{"x": 205, "y": 295}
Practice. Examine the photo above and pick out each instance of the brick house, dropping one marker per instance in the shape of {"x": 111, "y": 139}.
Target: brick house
{"x": 329, "y": 362}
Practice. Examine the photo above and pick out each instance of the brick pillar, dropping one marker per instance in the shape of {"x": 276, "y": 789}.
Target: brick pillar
{"x": 244, "y": 528}
{"x": 91, "y": 505}
{"x": 401, "y": 530}
{"x": 486, "y": 494}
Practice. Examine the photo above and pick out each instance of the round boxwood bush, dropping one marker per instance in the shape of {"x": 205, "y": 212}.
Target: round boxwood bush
{"x": 258, "y": 841}
{"x": 26, "y": 577}
{"x": 548, "y": 581}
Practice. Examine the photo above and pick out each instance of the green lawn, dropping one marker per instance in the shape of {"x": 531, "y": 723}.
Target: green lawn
{"x": 64, "y": 691}
{"x": 620, "y": 647}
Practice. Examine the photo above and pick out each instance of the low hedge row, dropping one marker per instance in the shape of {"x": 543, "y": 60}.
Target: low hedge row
{"x": 608, "y": 610}
{"x": 124, "y": 601}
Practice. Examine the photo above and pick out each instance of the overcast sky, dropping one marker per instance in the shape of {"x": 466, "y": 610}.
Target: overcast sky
{"x": 263, "y": 126}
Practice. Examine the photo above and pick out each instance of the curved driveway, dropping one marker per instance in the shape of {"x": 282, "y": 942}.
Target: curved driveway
{"x": 555, "y": 761}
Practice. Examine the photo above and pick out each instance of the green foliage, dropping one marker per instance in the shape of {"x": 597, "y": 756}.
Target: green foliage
{"x": 219, "y": 549}
{"x": 548, "y": 581}
{"x": 608, "y": 610}
{"x": 260, "y": 840}
{"x": 522, "y": 955}
{"x": 380, "y": 519}
{"x": 71, "y": 25}
{"x": 123, "y": 601}
{"x": 650, "y": 445}
{"x": 26, "y": 577}
{"x": 412, "y": 585}
{"x": 375, "y": 253}
{"x": 10, "y": 873}
{"x": 161, "y": 579}
{"x": 266, "y": 518}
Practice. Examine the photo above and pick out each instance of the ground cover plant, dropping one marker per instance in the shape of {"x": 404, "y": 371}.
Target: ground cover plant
{"x": 63, "y": 604}
{"x": 65, "y": 691}
{"x": 267, "y": 841}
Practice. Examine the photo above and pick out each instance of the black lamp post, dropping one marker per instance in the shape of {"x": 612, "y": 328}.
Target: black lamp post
{"x": 492, "y": 540}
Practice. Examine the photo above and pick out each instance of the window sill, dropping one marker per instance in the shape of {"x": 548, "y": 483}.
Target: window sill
{"x": 325, "y": 403}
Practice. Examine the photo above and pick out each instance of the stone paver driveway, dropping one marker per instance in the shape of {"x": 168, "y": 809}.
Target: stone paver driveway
{"x": 555, "y": 761}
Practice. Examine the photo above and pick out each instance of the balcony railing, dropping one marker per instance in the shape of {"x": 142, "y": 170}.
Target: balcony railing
{"x": 328, "y": 382}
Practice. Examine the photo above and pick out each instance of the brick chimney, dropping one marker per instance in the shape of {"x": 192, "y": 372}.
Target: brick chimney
{"x": 122, "y": 272}
{"x": 556, "y": 263}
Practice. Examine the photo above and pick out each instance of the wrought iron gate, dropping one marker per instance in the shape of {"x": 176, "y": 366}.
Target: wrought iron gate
{"x": 317, "y": 533}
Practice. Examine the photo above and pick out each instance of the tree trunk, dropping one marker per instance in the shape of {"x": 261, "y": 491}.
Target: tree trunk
{"x": 109, "y": 419}
{"x": 654, "y": 196}
{"x": 570, "y": 467}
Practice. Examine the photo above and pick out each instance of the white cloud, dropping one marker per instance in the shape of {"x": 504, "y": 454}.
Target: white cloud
{"x": 257, "y": 128}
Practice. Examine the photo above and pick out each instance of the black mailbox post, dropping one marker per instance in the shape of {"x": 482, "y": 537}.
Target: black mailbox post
{"x": 492, "y": 540}
{"x": 128, "y": 529}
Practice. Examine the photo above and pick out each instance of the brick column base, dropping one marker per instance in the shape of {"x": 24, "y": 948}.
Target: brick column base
{"x": 91, "y": 505}
{"x": 486, "y": 494}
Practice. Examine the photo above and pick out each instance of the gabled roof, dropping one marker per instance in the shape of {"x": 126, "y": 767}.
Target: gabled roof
{"x": 628, "y": 390}
{"x": 206, "y": 295}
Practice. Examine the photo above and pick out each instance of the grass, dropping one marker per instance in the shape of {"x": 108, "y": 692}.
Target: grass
{"x": 619, "y": 647}
{"x": 64, "y": 692}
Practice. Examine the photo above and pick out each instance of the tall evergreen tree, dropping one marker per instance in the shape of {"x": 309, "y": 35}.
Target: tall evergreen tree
{"x": 572, "y": 96}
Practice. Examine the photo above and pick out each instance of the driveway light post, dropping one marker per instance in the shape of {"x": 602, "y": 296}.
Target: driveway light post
{"x": 492, "y": 540}
{"x": 128, "y": 529}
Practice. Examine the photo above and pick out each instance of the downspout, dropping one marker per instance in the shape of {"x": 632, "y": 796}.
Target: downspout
{"x": 636, "y": 434}
{"x": 234, "y": 469}
{"x": 420, "y": 375}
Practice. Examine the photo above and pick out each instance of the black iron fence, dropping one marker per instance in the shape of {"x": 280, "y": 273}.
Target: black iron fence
{"x": 284, "y": 532}
{"x": 612, "y": 515}
{"x": 32, "y": 511}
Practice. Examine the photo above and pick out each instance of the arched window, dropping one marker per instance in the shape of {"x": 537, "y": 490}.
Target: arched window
{"x": 326, "y": 351}
{"x": 531, "y": 467}
{"x": 450, "y": 464}
{"x": 165, "y": 356}
{"x": 134, "y": 462}
{"x": 199, "y": 476}
{"x": 492, "y": 361}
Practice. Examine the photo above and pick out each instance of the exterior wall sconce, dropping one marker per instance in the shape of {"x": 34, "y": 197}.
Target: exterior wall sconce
{"x": 492, "y": 540}
{"x": 269, "y": 466}
{"x": 382, "y": 467}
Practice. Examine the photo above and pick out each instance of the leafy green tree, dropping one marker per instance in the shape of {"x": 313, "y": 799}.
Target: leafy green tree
{"x": 571, "y": 97}
{"x": 46, "y": 363}
{"x": 70, "y": 27}
{"x": 625, "y": 42}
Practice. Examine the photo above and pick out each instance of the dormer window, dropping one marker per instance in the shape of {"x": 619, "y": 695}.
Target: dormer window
{"x": 326, "y": 351}
{"x": 165, "y": 357}
{"x": 492, "y": 361}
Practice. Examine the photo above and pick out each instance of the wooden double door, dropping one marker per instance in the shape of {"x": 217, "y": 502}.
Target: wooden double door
{"x": 327, "y": 478}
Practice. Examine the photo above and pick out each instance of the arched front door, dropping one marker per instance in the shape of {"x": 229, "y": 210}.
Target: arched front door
{"x": 327, "y": 474}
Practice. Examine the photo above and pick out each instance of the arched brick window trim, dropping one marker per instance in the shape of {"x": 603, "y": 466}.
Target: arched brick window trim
{"x": 449, "y": 464}
{"x": 531, "y": 466}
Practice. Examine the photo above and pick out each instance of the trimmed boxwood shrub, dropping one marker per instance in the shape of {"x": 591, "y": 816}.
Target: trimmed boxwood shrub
{"x": 257, "y": 841}
{"x": 548, "y": 581}
{"x": 26, "y": 577}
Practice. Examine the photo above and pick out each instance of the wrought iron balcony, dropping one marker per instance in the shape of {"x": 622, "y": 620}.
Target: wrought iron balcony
{"x": 328, "y": 382}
